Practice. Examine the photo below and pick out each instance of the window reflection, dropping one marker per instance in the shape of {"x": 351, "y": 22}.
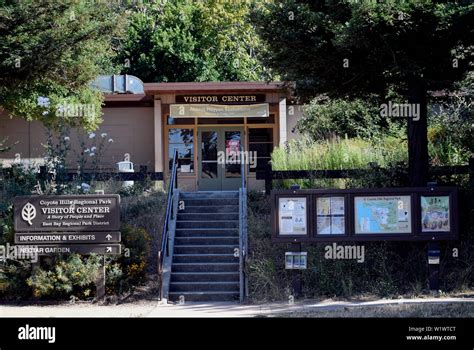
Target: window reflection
{"x": 183, "y": 141}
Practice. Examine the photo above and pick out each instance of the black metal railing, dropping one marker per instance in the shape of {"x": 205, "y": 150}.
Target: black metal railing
{"x": 170, "y": 214}
{"x": 242, "y": 228}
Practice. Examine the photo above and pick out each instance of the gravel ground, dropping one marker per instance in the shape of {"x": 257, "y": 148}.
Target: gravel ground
{"x": 426, "y": 307}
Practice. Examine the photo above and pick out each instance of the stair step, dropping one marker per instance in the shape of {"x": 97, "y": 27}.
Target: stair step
{"x": 204, "y": 286}
{"x": 205, "y": 267}
{"x": 190, "y": 209}
{"x": 208, "y": 216}
{"x": 204, "y": 258}
{"x": 204, "y": 276}
{"x": 208, "y": 240}
{"x": 203, "y": 296}
{"x": 210, "y": 201}
{"x": 205, "y": 249}
{"x": 205, "y": 232}
{"x": 209, "y": 194}
{"x": 207, "y": 224}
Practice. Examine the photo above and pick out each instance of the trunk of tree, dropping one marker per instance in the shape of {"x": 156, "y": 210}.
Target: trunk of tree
{"x": 418, "y": 135}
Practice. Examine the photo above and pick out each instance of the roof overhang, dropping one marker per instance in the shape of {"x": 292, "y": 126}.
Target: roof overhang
{"x": 128, "y": 100}
{"x": 215, "y": 87}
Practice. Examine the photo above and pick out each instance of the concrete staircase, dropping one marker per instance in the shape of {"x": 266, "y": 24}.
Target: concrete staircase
{"x": 204, "y": 267}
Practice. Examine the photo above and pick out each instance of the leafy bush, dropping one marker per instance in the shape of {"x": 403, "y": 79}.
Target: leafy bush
{"x": 13, "y": 278}
{"x": 72, "y": 275}
{"x": 137, "y": 242}
{"x": 451, "y": 127}
{"x": 267, "y": 278}
{"x": 325, "y": 118}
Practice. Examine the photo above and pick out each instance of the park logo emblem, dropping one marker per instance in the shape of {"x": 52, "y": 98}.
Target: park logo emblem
{"x": 28, "y": 213}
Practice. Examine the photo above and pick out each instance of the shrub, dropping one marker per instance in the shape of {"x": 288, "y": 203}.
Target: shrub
{"x": 451, "y": 126}
{"x": 13, "y": 277}
{"x": 72, "y": 275}
{"x": 267, "y": 278}
{"x": 125, "y": 272}
{"x": 325, "y": 118}
{"x": 137, "y": 242}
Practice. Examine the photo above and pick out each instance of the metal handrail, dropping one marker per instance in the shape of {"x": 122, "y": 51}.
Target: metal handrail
{"x": 173, "y": 184}
{"x": 242, "y": 226}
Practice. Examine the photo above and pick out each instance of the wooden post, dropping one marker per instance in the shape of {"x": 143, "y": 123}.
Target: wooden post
{"x": 297, "y": 274}
{"x": 100, "y": 282}
{"x": 268, "y": 180}
{"x": 43, "y": 175}
{"x": 471, "y": 172}
{"x": 418, "y": 160}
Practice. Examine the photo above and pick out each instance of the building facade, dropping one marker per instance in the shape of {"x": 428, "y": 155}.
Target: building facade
{"x": 203, "y": 121}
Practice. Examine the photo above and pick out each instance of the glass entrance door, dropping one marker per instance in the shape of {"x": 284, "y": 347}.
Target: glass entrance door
{"x": 219, "y": 158}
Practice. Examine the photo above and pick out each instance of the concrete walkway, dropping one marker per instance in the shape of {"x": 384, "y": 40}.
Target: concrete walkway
{"x": 154, "y": 309}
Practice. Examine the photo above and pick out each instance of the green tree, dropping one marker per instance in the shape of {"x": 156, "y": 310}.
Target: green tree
{"x": 49, "y": 52}
{"x": 325, "y": 118}
{"x": 350, "y": 49}
{"x": 183, "y": 40}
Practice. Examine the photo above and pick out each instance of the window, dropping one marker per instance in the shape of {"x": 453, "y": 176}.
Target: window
{"x": 183, "y": 141}
{"x": 261, "y": 142}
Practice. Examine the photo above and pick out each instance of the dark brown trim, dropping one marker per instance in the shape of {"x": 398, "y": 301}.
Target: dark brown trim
{"x": 213, "y": 87}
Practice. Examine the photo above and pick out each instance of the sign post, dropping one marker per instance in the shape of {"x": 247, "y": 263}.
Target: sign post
{"x": 296, "y": 282}
{"x": 433, "y": 264}
{"x": 100, "y": 283}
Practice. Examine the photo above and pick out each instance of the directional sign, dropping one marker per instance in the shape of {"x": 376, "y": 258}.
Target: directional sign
{"x": 67, "y": 237}
{"x": 67, "y": 213}
{"x": 84, "y": 249}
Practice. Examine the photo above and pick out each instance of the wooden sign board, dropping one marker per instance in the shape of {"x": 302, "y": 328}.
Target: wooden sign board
{"x": 74, "y": 213}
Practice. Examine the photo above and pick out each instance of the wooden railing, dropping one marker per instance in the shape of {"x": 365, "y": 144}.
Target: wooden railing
{"x": 269, "y": 175}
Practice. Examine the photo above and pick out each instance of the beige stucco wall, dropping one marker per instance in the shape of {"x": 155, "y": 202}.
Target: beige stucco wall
{"x": 293, "y": 114}
{"x": 131, "y": 129}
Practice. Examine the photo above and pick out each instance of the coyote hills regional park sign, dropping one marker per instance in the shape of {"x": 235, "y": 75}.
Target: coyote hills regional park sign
{"x": 81, "y": 224}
